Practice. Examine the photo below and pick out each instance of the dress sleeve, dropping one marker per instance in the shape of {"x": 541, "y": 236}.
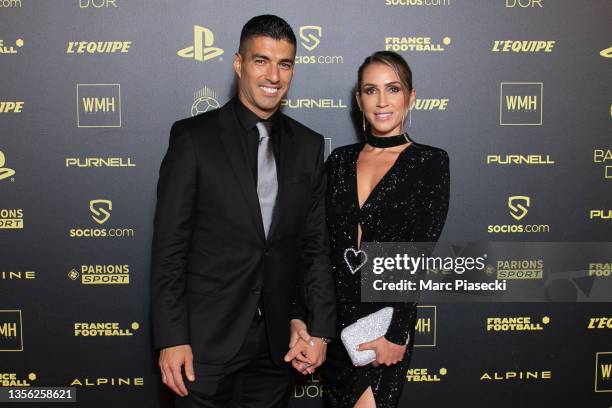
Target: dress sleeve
{"x": 434, "y": 191}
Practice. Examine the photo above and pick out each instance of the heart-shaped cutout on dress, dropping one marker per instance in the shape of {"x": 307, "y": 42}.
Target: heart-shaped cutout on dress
{"x": 356, "y": 254}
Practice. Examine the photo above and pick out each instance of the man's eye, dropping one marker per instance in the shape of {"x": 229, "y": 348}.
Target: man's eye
{"x": 260, "y": 61}
{"x": 286, "y": 65}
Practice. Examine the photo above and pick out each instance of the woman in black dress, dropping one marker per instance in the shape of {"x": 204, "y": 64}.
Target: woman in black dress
{"x": 387, "y": 189}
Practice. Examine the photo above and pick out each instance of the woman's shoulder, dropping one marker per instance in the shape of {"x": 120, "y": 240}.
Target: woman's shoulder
{"x": 429, "y": 152}
{"x": 344, "y": 152}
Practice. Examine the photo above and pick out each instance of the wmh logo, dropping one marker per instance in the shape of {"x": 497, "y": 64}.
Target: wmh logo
{"x": 11, "y": 337}
{"x": 98, "y": 105}
{"x": 603, "y": 371}
{"x": 426, "y": 326}
{"x": 520, "y": 103}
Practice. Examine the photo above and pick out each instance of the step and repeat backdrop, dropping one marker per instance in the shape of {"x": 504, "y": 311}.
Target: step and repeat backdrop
{"x": 517, "y": 91}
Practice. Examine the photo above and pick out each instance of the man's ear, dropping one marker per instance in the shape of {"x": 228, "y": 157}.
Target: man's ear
{"x": 237, "y": 64}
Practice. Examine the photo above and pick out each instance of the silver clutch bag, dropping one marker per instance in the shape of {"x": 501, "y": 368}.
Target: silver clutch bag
{"x": 366, "y": 329}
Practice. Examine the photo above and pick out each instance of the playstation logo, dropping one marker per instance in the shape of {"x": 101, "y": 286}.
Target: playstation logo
{"x": 607, "y": 53}
{"x": 5, "y": 172}
{"x": 311, "y": 36}
{"x": 202, "y": 49}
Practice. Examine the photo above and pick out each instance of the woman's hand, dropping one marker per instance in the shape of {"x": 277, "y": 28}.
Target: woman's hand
{"x": 387, "y": 353}
{"x": 297, "y": 331}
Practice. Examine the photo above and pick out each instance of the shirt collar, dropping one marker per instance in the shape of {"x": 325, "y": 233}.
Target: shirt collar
{"x": 248, "y": 119}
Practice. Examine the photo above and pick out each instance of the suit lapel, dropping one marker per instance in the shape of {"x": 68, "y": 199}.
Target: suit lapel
{"x": 230, "y": 138}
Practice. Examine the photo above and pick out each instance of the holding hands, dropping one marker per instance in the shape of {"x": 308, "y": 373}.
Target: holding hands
{"x": 306, "y": 353}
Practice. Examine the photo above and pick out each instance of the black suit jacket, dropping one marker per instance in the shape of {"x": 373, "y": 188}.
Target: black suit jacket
{"x": 210, "y": 258}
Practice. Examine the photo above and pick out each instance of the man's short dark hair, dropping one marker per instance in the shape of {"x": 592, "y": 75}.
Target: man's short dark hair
{"x": 266, "y": 25}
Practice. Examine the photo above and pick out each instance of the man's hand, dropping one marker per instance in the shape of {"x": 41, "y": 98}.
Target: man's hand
{"x": 305, "y": 357}
{"x": 298, "y": 331}
{"x": 387, "y": 353}
{"x": 171, "y": 360}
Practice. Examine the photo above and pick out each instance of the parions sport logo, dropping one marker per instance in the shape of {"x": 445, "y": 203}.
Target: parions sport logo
{"x": 103, "y": 274}
{"x": 520, "y": 269}
{"x": 11, "y": 218}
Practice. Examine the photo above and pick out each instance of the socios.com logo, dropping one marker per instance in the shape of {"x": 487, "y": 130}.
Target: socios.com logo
{"x": 519, "y": 206}
{"x": 202, "y": 48}
{"x": 100, "y": 210}
{"x": 310, "y": 36}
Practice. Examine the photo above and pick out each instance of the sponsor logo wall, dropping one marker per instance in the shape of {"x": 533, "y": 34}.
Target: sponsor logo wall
{"x": 518, "y": 98}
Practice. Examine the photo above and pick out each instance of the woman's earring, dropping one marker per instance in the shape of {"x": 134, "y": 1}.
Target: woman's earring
{"x": 410, "y": 115}
{"x": 363, "y": 121}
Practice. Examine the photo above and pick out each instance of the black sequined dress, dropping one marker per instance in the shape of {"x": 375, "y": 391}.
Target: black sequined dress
{"x": 409, "y": 204}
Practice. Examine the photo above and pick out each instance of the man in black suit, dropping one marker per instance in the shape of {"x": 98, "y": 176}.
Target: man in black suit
{"x": 239, "y": 235}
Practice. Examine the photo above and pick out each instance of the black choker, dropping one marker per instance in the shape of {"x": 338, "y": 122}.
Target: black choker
{"x": 387, "y": 141}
